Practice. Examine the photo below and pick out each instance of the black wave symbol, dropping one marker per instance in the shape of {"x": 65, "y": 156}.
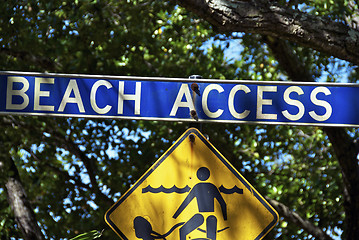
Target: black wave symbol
{"x": 235, "y": 189}
{"x": 160, "y": 189}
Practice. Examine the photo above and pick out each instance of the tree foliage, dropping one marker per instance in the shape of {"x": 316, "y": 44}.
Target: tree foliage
{"x": 73, "y": 169}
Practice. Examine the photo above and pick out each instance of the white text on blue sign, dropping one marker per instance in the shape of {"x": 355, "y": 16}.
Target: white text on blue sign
{"x": 173, "y": 100}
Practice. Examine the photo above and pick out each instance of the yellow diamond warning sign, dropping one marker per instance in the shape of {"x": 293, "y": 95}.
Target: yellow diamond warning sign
{"x": 192, "y": 192}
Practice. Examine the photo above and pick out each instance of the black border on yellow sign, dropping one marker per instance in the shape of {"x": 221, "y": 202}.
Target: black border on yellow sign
{"x": 220, "y": 157}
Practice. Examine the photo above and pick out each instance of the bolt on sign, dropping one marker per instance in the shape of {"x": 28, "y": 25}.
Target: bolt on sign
{"x": 192, "y": 192}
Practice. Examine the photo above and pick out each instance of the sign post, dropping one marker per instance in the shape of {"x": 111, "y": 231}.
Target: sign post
{"x": 192, "y": 192}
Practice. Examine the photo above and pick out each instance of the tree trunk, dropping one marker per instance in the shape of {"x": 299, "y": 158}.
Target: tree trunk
{"x": 23, "y": 212}
{"x": 347, "y": 151}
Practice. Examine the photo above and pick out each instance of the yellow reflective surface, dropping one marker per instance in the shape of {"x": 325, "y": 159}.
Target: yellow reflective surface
{"x": 214, "y": 199}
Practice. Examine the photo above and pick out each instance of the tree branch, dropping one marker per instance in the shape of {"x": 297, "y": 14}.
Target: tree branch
{"x": 64, "y": 174}
{"x": 288, "y": 61}
{"x": 253, "y": 16}
{"x": 72, "y": 147}
{"x": 89, "y": 165}
{"x": 44, "y": 62}
{"x": 294, "y": 217}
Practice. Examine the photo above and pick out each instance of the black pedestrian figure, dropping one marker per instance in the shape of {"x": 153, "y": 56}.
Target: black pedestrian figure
{"x": 205, "y": 193}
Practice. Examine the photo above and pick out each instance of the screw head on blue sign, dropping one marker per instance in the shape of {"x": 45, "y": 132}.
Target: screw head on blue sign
{"x": 192, "y": 192}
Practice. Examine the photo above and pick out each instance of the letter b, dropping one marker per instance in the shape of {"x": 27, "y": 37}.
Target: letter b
{"x": 21, "y": 93}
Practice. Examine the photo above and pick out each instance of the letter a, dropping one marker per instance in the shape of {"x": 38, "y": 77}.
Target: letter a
{"x": 72, "y": 87}
{"x": 184, "y": 90}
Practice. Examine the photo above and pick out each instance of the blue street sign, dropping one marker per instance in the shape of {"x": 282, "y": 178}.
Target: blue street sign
{"x": 173, "y": 99}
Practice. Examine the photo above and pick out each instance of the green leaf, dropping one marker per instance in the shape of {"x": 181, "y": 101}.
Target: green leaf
{"x": 89, "y": 235}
